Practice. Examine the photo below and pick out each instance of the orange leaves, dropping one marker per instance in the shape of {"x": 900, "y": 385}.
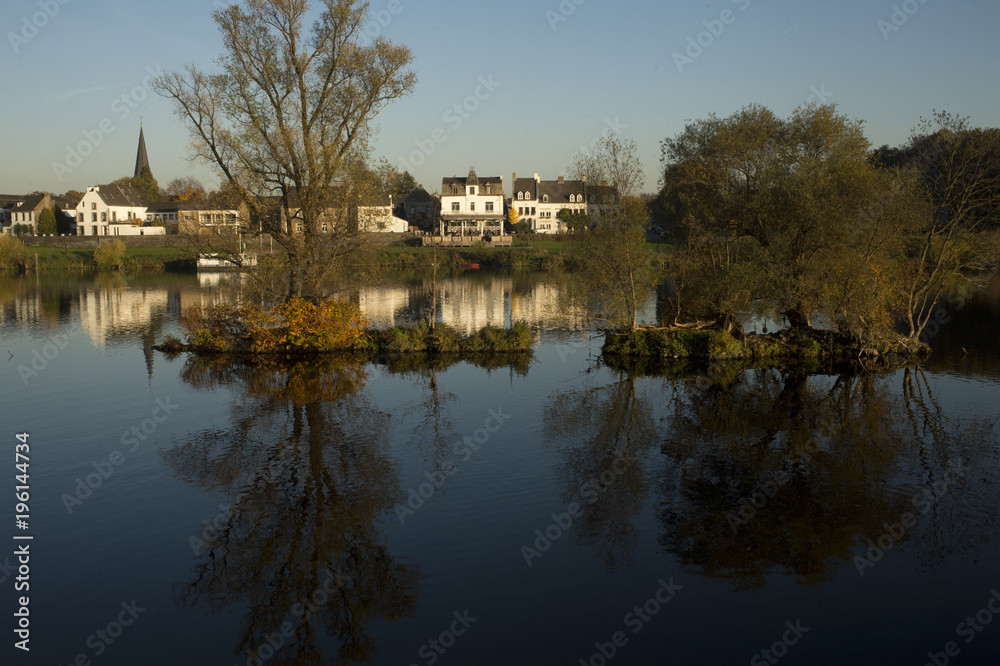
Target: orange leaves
{"x": 295, "y": 325}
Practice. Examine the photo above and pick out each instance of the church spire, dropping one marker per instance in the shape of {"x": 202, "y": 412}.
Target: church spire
{"x": 140, "y": 157}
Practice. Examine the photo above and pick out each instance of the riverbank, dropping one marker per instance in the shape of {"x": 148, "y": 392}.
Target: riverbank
{"x": 708, "y": 345}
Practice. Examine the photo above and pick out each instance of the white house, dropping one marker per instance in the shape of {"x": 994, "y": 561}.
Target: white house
{"x": 538, "y": 201}
{"x": 377, "y": 216}
{"x": 472, "y": 205}
{"x": 113, "y": 210}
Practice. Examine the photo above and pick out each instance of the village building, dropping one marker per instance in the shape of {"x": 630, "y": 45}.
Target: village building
{"x": 472, "y": 206}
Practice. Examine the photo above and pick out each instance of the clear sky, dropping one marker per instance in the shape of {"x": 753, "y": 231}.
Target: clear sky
{"x": 551, "y": 76}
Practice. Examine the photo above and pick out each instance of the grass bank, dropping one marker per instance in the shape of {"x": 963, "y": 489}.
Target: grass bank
{"x": 136, "y": 259}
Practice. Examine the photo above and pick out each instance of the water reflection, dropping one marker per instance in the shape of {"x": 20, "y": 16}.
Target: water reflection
{"x": 603, "y": 433}
{"x": 796, "y": 474}
{"x": 306, "y": 470}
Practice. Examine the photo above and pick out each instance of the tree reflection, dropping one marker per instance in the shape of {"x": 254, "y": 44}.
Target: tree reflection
{"x": 604, "y": 432}
{"x": 785, "y": 472}
{"x": 305, "y": 466}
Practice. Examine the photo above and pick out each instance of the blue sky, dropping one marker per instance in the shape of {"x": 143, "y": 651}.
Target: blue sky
{"x": 551, "y": 76}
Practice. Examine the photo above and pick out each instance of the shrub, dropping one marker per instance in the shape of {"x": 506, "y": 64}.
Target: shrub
{"x": 13, "y": 256}
{"x": 110, "y": 255}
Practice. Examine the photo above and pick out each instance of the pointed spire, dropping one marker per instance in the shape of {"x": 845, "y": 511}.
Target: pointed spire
{"x": 140, "y": 157}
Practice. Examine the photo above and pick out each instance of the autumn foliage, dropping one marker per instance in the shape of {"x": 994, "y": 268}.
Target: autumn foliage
{"x": 295, "y": 325}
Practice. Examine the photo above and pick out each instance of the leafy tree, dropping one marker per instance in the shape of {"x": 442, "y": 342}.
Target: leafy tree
{"x": 514, "y": 221}
{"x": 287, "y": 117}
{"x": 73, "y": 196}
{"x": 573, "y": 220}
{"x": 146, "y": 185}
{"x": 787, "y": 213}
{"x": 617, "y": 275}
{"x": 110, "y": 255}
{"x": 185, "y": 189}
{"x": 47, "y": 222}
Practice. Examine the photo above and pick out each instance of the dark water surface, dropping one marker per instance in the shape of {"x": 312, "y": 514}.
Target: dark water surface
{"x": 191, "y": 513}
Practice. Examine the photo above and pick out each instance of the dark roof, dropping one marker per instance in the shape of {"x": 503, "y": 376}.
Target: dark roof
{"x": 524, "y": 185}
{"x": 29, "y": 203}
{"x": 140, "y": 156}
{"x": 116, "y": 194}
{"x": 493, "y": 181}
{"x": 559, "y": 192}
{"x": 417, "y": 196}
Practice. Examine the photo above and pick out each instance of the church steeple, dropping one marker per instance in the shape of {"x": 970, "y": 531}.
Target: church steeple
{"x": 140, "y": 157}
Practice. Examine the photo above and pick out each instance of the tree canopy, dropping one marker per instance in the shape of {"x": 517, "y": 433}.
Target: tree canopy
{"x": 286, "y": 119}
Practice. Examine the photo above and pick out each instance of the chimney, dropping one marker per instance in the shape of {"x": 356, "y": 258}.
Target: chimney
{"x": 562, "y": 180}
{"x": 536, "y": 177}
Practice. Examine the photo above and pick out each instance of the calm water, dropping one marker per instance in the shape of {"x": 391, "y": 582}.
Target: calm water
{"x": 185, "y": 513}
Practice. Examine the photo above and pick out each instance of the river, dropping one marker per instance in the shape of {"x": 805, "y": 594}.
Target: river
{"x": 544, "y": 511}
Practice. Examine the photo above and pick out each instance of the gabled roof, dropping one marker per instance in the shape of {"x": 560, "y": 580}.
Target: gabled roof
{"x": 29, "y": 203}
{"x": 116, "y": 194}
{"x": 418, "y": 196}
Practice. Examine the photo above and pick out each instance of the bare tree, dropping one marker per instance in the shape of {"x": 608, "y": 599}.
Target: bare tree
{"x": 287, "y": 118}
{"x": 611, "y": 161}
{"x": 960, "y": 168}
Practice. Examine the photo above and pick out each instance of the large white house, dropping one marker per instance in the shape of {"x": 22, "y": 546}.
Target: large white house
{"x": 113, "y": 210}
{"x": 538, "y": 201}
{"x": 472, "y": 205}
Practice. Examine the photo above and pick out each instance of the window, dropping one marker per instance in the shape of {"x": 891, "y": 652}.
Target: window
{"x": 104, "y": 216}
{"x": 298, "y": 226}
{"x": 325, "y": 229}
{"x": 472, "y": 206}
{"x": 93, "y": 218}
{"x": 114, "y": 216}
{"x": 93, "y": 206}
{"x": 488, "y": 188}
{"x": 472, "y": 191}
{"x": 489, "y": 206}
{"x": 545, "y": 198}
{"x": 79, "y": 218}
{"x": 520, "y": 210}
{"x": 532, "y": 210}
{"x": 93, "y": 230}
{"x": 520, "y": 195}
{"x": 455, "y": 206}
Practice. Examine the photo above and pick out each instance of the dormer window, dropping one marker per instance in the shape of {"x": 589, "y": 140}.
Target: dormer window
{"x": 520, "y": 195}
{"x": 472, "y": 191}
{"x": 487, "y": 188}
{"x": 545, "y": 198}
